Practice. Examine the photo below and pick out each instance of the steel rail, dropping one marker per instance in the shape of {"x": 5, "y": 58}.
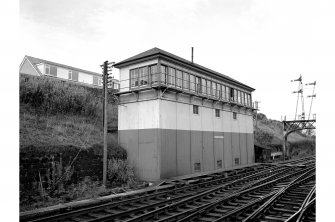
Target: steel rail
{"x": 299, "y": 214}
{"x": 150, "y": 207}
{"x": 168, "y": 194}
{"x": 141, "y": 204}
{"x": 308, "y": 213}
{"x": 241, "y": 200}
{"x": 292, "y": 196}
{"x": 202, "y": 200}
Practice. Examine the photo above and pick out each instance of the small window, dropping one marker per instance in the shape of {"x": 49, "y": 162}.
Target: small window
{"x": 100, "y": 81}
{"x": 219, "y": 164}
{"x": 234, "y": 115}
{"x": 95, "y": 80}
{"x": 53, "y": 70}
{"x": 70, "y": 74}
{"x": 217, "y": 112}
{"x": 75, "y": 76}
{"x": 47, "y": 69}
{"x": 195, "y": 109}
{"x": 197, "y": 167}
{"x": 237, "y": 161}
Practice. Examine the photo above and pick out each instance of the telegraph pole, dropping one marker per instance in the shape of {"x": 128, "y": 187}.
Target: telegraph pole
{"x": 104, "y": 177}
{"x": 106, "y": 70}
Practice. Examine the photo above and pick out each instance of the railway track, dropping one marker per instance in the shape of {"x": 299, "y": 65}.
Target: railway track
{"x": 194, "y": 198}
{"x": 174, "y": 189}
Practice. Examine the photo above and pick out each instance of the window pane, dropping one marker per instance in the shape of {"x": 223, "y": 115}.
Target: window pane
{"x": 235, "y": 95}
{"x": 219, "y": 91}
{"x": 192, "y": 83}
{"x": 172, "y": 76}
{"x": 217, "y": 112}
{"x": 203, "y": 85}
{"x": 143, "y": 76}
{"x": 232, "y": 94}
{"x": 186, "y": 80}
{"x": 153, "y": 73}
{"x": 163, "y": 74}
{"x": 214, "y": 92}
{"x": 197, "y": 84}
{"x": 179, "y": 78}
{"x": 132, "y": 78}
{"x": 70, "y": 74}
{"x": 209, "y": 87}
{"x": 195, "y": 109}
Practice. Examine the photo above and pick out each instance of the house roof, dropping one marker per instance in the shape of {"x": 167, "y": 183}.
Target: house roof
{"x": 34, "y": 61}
{"x": 155, "y": 52}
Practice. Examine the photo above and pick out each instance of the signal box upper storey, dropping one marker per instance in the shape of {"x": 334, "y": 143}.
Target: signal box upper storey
{"x": 157, "y": 68}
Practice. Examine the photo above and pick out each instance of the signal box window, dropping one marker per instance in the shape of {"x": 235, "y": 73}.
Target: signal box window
{"x": 195, "y": 109}
{"x": 234, "y": 115}
{"x": 217, "y": 112}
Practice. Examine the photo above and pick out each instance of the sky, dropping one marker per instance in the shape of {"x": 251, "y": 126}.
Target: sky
{"x": 263, "y": 44}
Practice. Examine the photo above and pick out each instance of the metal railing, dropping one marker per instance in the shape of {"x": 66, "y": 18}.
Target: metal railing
{"x": 184, "y": 85}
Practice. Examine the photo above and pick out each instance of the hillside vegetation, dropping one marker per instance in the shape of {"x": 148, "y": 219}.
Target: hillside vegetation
{"x": 270, "y": 133}
{"x": 60, "y": 121}
{"x": 55, "y": 112}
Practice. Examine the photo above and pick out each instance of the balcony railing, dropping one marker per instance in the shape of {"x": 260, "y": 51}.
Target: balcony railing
{"x": 182, "y": 85}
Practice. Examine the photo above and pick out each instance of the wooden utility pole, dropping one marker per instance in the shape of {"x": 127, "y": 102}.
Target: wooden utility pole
{"x": 105, "y": 85}
{"x": 107, "y": 67}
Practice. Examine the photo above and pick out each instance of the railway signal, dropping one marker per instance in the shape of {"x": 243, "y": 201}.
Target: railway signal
{"x": 299, "y": 92}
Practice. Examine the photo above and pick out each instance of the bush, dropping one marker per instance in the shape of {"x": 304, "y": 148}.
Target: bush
{"x": 263, "y": 137}
{"x": 302, "y": 148}
{"x": 119, "y": 172}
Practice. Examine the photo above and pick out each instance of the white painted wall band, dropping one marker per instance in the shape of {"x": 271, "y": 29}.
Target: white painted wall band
{"x": 162, "y": 114}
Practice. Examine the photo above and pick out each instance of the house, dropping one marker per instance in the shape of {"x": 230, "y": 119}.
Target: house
{"x": 176, "y": 117}
{"x": 40, "y": 67}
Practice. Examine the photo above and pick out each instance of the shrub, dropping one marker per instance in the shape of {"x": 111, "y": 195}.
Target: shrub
{"x": 263, "y": 137}
{"x": 119, "y": 172}
{"x": 302, "y": 148}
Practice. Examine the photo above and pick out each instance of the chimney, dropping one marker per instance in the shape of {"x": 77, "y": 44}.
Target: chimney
{"x": 192, "y": 55}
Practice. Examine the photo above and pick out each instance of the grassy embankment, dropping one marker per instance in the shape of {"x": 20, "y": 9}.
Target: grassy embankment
{"x": 270, "y": 132}
{"x": 55, "y": 115}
